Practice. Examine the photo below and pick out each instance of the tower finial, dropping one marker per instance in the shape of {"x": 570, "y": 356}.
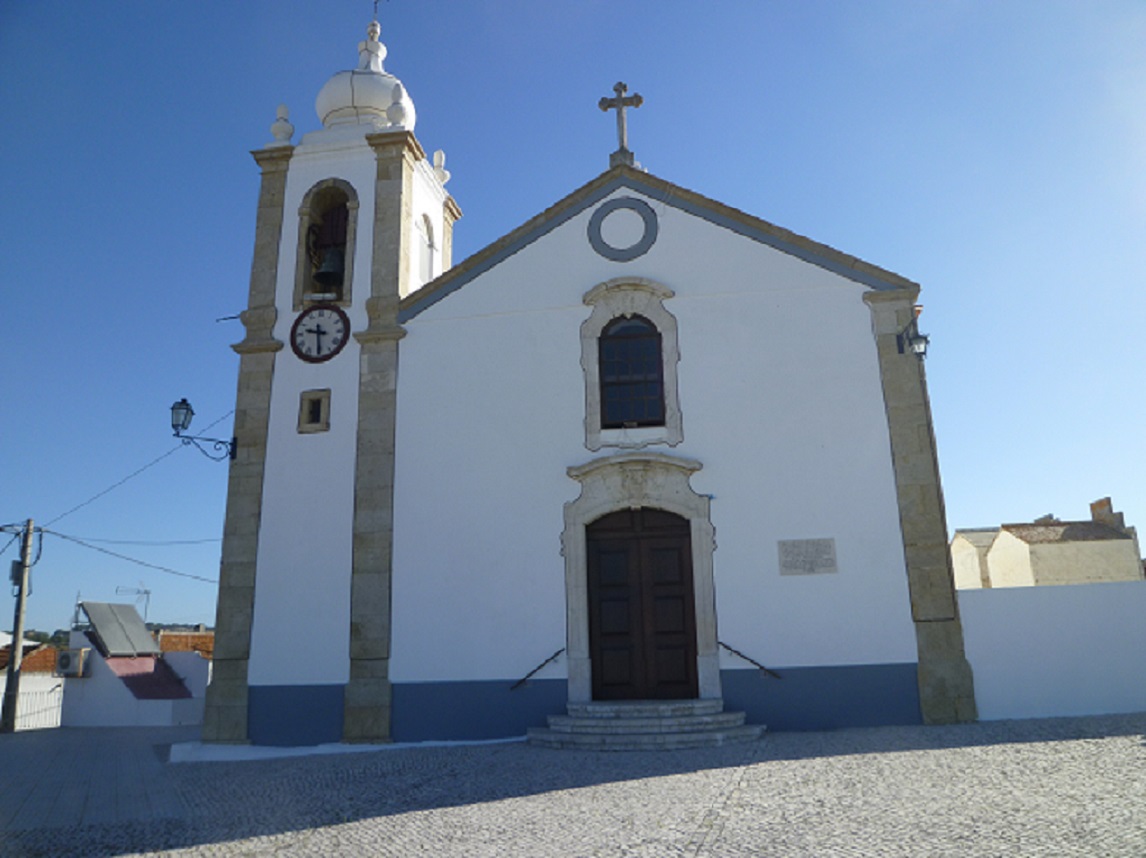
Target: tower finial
{"x": 282, "y": 129}
{"x": 372, "y": 52}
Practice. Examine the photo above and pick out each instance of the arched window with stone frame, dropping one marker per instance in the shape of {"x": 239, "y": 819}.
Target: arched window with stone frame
{"x": 629, "y": 356}
{"x": 328, "y": 218}
{"x": 630, "y": 372}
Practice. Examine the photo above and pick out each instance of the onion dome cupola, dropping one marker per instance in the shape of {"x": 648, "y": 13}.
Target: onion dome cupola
{"x": 367, "y": 95}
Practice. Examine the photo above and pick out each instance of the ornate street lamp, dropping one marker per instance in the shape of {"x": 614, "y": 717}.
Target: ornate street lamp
{"x": 181, "y": 414}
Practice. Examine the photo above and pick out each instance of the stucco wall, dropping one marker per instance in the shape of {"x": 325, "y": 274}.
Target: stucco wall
{"x": 304, "y": 552}
{"x": 1084, "y": 562}
{"x": 965, "y": 560}
{"x": 1057, "y": 651}
{"x": 193, "y": 669}
{"x": 102, "y": 700}
{"x": 1016, "y": 563}
{"x": 781, "y": 402}
{"x": 1009, "y": 561}
{"x": 428, "y": 199}
{"x": 305, "y": 536}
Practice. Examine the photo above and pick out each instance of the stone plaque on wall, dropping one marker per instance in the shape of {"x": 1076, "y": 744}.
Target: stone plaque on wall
{"x": 807, "y": 556}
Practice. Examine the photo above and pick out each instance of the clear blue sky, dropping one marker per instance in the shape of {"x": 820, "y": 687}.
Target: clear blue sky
{"x": 994, "y": 151}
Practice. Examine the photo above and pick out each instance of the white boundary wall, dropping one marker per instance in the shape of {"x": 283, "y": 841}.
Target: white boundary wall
{"x": 41, "y": 700}
{"x": 1056, "y": 651}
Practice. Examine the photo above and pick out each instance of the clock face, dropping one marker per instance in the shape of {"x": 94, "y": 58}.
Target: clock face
{"x": 319, "y": 333}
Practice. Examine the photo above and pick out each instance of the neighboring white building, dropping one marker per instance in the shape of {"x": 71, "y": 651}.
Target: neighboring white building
{"x": 126, "y": 680}
{"x": 1049, "y": 551}
{"x": 969, "y": 549}
{"x": 639, "y": 429}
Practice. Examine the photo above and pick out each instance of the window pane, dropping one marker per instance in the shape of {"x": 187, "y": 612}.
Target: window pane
{"x": 631, "y": 374}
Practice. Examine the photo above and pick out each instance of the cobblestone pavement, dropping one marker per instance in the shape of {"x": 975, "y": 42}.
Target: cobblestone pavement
{"x": 1062, "y": 787}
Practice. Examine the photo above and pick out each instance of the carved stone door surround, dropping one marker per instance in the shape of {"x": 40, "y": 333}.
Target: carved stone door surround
{"x": 631, "y": 481}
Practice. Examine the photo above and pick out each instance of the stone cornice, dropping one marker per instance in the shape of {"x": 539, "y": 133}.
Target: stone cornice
{"x": 908, "y": 293}
{"x": 273, "y": 158}
{"x": 452, "y": 209}
{"x": 252, "y": 347}
{"x": 580, "y": 472}
{"x": 641, "y": 284}
{"x": 380, "y": 335}
{"x": 403, "y": 141}
{"x": 259, "y": 322}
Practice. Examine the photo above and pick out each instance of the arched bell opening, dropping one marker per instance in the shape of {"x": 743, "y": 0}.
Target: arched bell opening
{"x": 327, "y": 225}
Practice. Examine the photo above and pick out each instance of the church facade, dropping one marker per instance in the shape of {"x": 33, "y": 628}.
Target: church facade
{"x": 640, "y": 446}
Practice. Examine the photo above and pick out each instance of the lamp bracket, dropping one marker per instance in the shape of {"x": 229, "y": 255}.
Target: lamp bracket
{"x": 223, "y": 449}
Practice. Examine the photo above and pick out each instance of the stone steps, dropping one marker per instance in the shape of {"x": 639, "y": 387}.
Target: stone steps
{"x": 644, "y": 708}
{"x": 641, "y": 725}
{"x": 679, "y": 724}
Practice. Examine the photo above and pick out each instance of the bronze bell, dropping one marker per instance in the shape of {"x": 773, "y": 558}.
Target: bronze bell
{"x": 329, "y": 274}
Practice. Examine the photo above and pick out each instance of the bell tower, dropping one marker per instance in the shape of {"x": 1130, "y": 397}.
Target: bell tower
{"x": 350, "y": 220}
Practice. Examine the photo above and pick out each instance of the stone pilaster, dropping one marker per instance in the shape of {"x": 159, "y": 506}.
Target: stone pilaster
{"x": 367, "y": 699}
{"x": 946, "y": 687}
{"x": 225, "y": 716}
{"x": 452, "y": 215}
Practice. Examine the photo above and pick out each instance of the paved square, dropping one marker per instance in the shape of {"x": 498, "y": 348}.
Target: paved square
{"x": 1063, "y": 787}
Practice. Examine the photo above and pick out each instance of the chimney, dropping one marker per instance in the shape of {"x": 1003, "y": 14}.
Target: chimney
{"x": 1102, "y": 511}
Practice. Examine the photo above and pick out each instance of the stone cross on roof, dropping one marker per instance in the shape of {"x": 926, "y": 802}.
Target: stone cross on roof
{"x": 622, "y": 155}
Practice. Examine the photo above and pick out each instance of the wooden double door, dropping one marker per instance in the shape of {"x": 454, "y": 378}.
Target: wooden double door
{"x": 642, "y": 616}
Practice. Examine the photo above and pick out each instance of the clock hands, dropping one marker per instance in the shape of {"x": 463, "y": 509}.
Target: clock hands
{"x": 318, "y": 332}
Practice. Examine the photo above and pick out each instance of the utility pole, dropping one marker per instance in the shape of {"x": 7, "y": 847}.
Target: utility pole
{"x": 20, "y": 571}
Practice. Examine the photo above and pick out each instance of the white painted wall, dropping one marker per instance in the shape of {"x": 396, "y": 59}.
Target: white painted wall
{"x": 304, "y": 559}
{"x": 1057, "y": 651}
{"x": 300, "y": 633}
{"x": 782, "y": 403}
{"x": 965, "y": 561}
{"x": 969, "y": 549}
{"x": 1015, "y": 563}
{"x": 428, "y": 199}
{"x": 1009, "y": 562}
{"x": 192, "y": 668}
{"x": 1086, "y": 562}
{"x": 102, "y": 700}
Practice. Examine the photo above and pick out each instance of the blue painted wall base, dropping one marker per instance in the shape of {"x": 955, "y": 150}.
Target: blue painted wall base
{"x": 806, "y": 698}
{"x": 473, "y": 710}
{"x": 826, "y": 698}
{"x": 295, "y": 714}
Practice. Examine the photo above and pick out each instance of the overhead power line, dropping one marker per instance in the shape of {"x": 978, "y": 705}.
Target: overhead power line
{"x": 132, "y": 475}
{"x": 8, "y": 544}
{"x": 114, "y": 486}
{"x": 166, "y": 569}
{"x": 149, "y": 542}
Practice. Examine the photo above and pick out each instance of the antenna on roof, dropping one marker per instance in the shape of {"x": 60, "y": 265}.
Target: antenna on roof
{"x": 140, "y": 593}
